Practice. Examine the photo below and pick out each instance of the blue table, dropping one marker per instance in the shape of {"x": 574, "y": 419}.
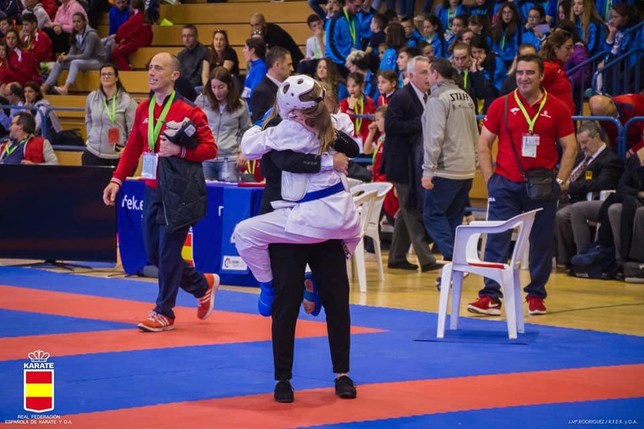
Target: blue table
{"x": 212, "y": 246}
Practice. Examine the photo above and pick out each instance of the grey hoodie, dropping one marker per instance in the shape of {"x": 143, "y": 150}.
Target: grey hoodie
{"x": 450, "y": 133}
{"x": 227, "y": 127}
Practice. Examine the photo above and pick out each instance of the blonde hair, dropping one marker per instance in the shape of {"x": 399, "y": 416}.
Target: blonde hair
{"x": 316, "y": 117}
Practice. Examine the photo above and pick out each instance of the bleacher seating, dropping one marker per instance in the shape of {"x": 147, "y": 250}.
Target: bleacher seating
{"x": 233, "y": 16}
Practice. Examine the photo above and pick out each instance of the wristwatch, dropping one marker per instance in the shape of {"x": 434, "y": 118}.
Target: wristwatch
{"x": 560, "y": 181}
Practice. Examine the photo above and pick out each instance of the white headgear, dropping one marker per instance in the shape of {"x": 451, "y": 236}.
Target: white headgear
{"x": 290, "y": 92}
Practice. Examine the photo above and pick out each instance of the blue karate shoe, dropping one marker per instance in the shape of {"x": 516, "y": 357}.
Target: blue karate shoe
{"x": 311, "y": 295}
{"x": 266, "y": 298}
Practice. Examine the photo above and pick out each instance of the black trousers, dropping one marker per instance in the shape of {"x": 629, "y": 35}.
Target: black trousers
{"x": 328, "y": 264}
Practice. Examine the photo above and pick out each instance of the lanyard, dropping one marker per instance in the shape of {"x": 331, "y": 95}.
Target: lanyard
{"x": 359, "y": 112}
{"x": 503, "y": 41}
{"x": 533, "y": 120}
{"x": 316, "y": 48}
{"x": 155, "y": 129}
{"x": 251, "y": 166}
{"x": 352, "y": 27}
{"x": 607, "y": 9}
{"x": 450, "y": 17}
{"x": 30, "y": 41}
{"x": 381, "y": 140}
{"x": 465, "y": 75}
{"x": 112, "y": 114}
{"x": 11, "y": 148}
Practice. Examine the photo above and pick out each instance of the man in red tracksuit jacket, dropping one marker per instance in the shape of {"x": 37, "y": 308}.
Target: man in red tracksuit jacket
{"x": 163, "y": 244}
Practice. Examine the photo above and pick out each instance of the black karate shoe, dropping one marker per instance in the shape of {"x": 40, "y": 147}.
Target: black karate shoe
{"x": 284, "y": 392}
{"x": 344, "y": 388}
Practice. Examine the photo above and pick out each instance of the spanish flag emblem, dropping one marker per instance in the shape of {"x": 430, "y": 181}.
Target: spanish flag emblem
{"x": 39, "y": 390}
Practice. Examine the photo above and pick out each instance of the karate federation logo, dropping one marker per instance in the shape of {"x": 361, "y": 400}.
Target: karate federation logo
{"x": 39, "y": 382}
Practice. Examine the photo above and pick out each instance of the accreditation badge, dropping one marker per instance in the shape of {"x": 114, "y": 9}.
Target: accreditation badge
{"x": 113, "y": 135}
{"x": 588, "y": 175}
{"x": 150, "y": 164}
{"x": 529, "y": 145}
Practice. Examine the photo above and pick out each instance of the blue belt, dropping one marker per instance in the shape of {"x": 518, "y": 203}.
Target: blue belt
{"x": 316, "y": 195}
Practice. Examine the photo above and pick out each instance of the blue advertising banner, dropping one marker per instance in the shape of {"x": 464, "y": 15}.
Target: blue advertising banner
{"x": 213, "y": 250}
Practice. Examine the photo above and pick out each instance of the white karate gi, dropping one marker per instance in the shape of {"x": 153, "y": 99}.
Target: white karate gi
{"x": 331, "y": 217}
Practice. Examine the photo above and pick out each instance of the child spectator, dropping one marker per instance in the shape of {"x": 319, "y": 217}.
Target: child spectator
{"x": 254, "y": 52}
{"x": 433, "y": 32}
{"x": 479, "y": 24}
{"x": 412, "y": 35}
{"x": 35, "y": 98}
{"x": 506, "y": 33}
{"x": 135, "y": 33}
{"x": 404, "y": 55}
{"x": 447, "y": 11}
{"x": 21, "y": 66}
{"x": 375, "y": 144}
{"x": 358, "y": 106}
{"x": 387, "y": 85}
{"x": 532, "y": 35}
{"x": 35, "y": 41}
{"x": 62, "y": 25}
{"x": 459, "y": 23}
{"x": 395, "y": 40}
{"x": 378, "y": 36}
{"x": 315, "y": 43}
{"x": 589, "y": 25}
{"x": 118, "y": 14}
{"x": 327, "y": 73}
{"x": 35, "y": 7}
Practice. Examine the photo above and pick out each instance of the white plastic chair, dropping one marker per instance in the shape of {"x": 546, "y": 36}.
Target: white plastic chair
{"x": 365, "y": 203}
{"x": 372, "y": 230}
{"x": 353, "y": 182}
{"x": 466, "y": 260}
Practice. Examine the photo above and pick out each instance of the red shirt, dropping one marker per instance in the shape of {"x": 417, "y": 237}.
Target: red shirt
{"x": 628, "y": 106}
{"x": 556, "y": 82}
{"x": 361, "y": 126}
{"x": 137, "y": 142}
{"x": 553, "y": 123}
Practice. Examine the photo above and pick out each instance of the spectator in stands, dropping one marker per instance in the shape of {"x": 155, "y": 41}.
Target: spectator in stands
{"x": 86, "y": 53}
{"x": 433, "y": 33}
{"x": 327, "y": 72}
{"x": 228, "y": 119}
{"x": 623, "y": 108}
{"x": 35, "y": 7}
{"x": 387, "y": 86}
{"x": 314, "y": 46}
{"x": 62, "y": 26}
{"x": 589, "y": 25}
{"x": 473, "y": 77}
{"x": 488, "y": 61}
{"x": 479, "y": 24}
{"x": 274, "y": 35}
{"x": 597, "y": 170}
{"x": 447, "y": 10}
{"x": 401, "y": 163}
{"x": 21, "y": 67}
{"x": 6, "y": 24}
{"x": 404, "y": 55}
{"x": 365, "y": 15}
{"x": 34, "y": 97}
{"x": 192, "y": 56}
{"x": 532, "y": 35}
{"x": 506, "y": 33}
{"x": 254, "y": 53}
{"x": 135, "y": 33}
{"x": 35, "y": 41}
{"x": 412, "y": 35}
{"x": 341, "y": 35}
{"x": 358, "y": 61}
{"x": 510, "y": 83}
{"x": 25, "y": 148}
{"x": 358, "y": 106}
{"x": 109, "y": 118}
{"x": 378, "y": 36}
{"x": 619, "y": 41}
{"x": 118, "y": 14}
{"x": 555, "y": 51}
{"x": 395, "y": 40}
{"x": 279, "y": 66}
{"x": 219, "y": 54}
{"x": 459, "y": 23}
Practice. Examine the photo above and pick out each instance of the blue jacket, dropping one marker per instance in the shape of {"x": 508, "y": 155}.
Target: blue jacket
{"x": 337, "y": 37}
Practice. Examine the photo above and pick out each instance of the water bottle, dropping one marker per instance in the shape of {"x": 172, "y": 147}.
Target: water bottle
{"x": 225, "y": 172}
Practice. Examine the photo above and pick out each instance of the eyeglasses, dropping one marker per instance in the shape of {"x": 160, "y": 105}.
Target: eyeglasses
{"x": 107, "y": 74}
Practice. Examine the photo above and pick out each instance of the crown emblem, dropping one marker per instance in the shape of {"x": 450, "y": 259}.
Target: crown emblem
{"x": 38, "y": 356}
